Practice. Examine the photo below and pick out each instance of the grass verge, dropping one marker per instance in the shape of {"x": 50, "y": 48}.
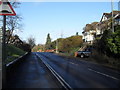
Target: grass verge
{"x": 105, "y": 60}
{"x": 13, "y": 53}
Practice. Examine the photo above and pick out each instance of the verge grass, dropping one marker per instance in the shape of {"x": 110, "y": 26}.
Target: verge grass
{"x": 13, "y": 53}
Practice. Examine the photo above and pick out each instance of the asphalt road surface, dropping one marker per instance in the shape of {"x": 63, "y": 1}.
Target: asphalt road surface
{"x": 82, "y": 74}
{"x": 76, "y": 73}
{"x": 32, "y": 73}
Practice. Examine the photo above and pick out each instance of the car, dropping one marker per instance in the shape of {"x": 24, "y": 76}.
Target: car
{"x": 83, "y": 54}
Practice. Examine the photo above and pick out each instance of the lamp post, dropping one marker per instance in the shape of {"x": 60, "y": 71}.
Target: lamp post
{"x": 112, "y": 15}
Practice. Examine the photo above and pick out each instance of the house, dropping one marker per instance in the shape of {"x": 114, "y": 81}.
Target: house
{"x": 96, "y": 29}
{"x": 117, "y": 19}
{"x": 106, "y": 20}
{"x": 88, "y": 36}
{"x": 89, "y": 32}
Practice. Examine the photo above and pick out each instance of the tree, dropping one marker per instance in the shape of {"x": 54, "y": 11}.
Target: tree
{"x": 39, "y": 47}
{"x": 13, "y": 22}
{"x": 26, "y": 47}
{"x": 113, "y": 42}
{"x": 67, "y": 44}
{"x": 109, "y": 43}
{"x": 77, "y": 34}
{"x": 48, "y": 42}
{"x": 31, "y": 41}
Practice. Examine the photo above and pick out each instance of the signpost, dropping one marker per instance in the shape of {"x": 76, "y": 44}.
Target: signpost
{"x": 5, "y": 10}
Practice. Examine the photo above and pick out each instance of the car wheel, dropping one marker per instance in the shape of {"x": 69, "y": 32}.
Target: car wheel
{"x": 82, "y": 56}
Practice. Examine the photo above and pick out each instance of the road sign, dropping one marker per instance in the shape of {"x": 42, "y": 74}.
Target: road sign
{"x": 6, "y": 8}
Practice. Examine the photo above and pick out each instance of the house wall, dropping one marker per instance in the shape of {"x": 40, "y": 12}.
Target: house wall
{"x": 104, "y": 18}
{"x": 88, "y": 37}
{"x": 98, "y": 31}
{"x": 117, "y": 21}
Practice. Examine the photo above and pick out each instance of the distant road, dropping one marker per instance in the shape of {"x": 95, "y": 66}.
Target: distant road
{"x": 32, "y": 73}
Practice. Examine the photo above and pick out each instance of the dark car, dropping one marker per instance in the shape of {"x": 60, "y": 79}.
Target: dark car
{"x": 82, "y": 54}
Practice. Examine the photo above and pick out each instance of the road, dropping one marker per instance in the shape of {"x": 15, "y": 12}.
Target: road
{"x": 76, "y": 73}
{"x": 32, "y": 73}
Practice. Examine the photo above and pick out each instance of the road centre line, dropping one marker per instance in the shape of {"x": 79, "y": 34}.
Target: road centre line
{"x": 103, "y": 74}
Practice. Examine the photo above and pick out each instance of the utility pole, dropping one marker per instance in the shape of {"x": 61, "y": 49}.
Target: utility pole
{"x": 61, "y": 34}
{"x": 119, "y": 5}
{"x": 56, "y": 46}
{"x": 112, "y": 15}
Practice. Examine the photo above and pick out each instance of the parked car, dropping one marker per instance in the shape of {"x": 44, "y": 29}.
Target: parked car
{"x": 83, "y": 54}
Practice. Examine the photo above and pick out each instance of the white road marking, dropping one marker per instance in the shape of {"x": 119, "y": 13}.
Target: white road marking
{"x": 103, "y": 74}
{"x": 55, "y": 74}
{"x": 73, "y": 63}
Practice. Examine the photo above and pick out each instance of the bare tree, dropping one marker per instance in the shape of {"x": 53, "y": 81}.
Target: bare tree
{"x": 31, "y": 41}
{"x": 13, "y": 22}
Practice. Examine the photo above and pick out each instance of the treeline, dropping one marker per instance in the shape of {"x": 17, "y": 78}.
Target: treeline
{"x": 109, "y": 43}
{"x": 65, "y": 44}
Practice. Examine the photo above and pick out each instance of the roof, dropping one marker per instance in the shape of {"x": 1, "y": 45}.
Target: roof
{"x": 108, "y": 15}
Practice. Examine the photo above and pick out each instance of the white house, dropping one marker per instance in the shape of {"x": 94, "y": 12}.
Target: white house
{"x": 89, "y": 35}
{"x": 105, "y": 21}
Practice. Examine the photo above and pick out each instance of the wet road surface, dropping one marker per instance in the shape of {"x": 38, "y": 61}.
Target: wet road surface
{"x": 32, "y": 73}
{"x": 82, "y": 74}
